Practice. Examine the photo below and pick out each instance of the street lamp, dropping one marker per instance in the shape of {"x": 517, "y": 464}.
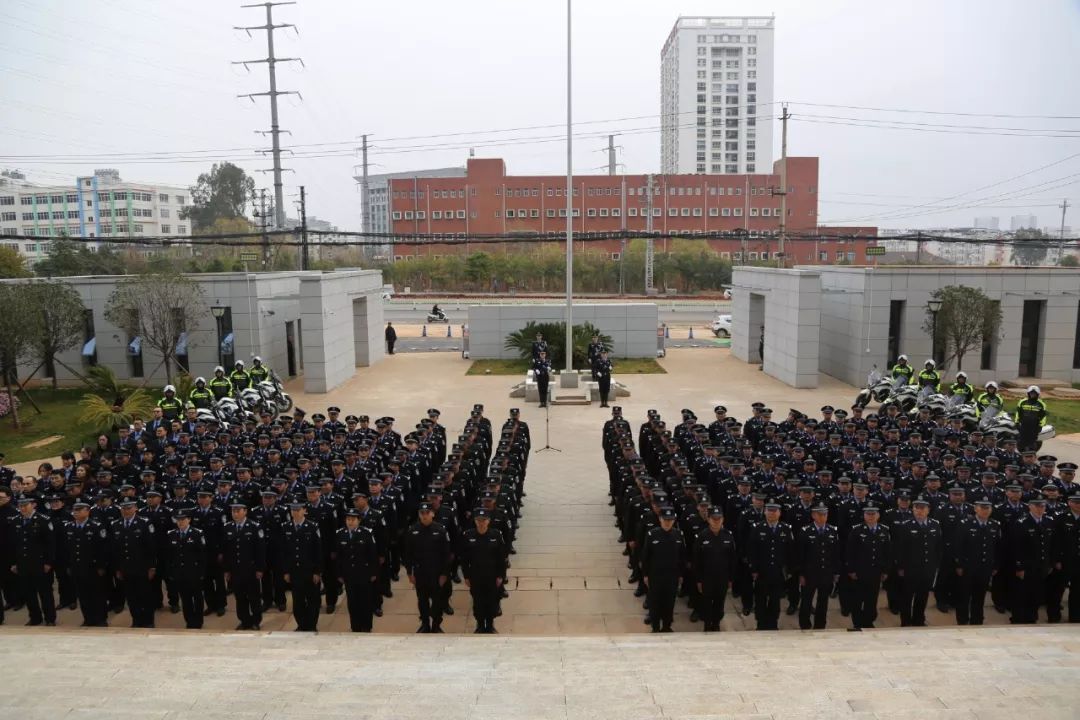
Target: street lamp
{"x": 934, "y": 306}
{"x": 218, "y": 312}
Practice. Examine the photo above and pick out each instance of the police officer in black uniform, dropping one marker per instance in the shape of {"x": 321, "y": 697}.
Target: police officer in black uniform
{"x": 1031, "y": 549}
{"x": 134, "y": 556}
{"x": 186, "y": 563}
{"x": 483, "y": 564}
{"x": 977, "y": 549}
{"x": 542, "y": 374}
{"x": 714, "y": 568}
{"x": 868, "y": 561}
{"x": 601, "y": 370}
{"x": 663, "y": 556}
{"x": 1067, "y": 544}
{"x": 85, "y": 550}
{"x": 34, "y": 549}
{"x": 301, "y": 566}
{"x": 243, "y": 558}
{"x": 820, "y": 561}
{"x": 356, "y": 558}
{"x": 917, "y": 546}
{"x": 427, "y": 561}
{"x": 770, "y": 555}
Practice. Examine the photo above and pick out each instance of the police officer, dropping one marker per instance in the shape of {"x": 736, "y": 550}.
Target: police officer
{"x": 1030, "y": 416}
{"x": 220, "y": 387}
{"x": 186, "y": 554}
{"x": 1067, "y": 543}
{"x": 200, "y": 396}
{"x": 1031, "y": 551}
{"x": 662, "y": 558}
{"x": 714, "y": 568}
{"x": 601, "y": 370}
{"x": 427, "y": 562}
{"x": 134, "y": 561}
{"x": 208, "y": 518}
{"x": 301, "y": 566}
{"x": 539, "y": 346}
{"x": 239, "y": 378}
{"x": 868, "y": 561}
{"x": 902, "y": 370}
{"x": 243, "y": 558}
{"x": 977, "y": 554}
{"x": 820, "y": 561}
{"x": 258, "y": 371}
{"x": 542, "y": 374}
{"x": 917, "y": 550}
{"x": 356, "y": 558}
{"x": 34, "y": 553}
{"x": 770, "y": 555}
{"x": 171, "y": 406}
{"x": 961, "y": 389}
{"x": 483, "y": 565}
{"x": 929, "y": 377}
{"x": 85, "y": 550}
{"x": 595, "y": 348}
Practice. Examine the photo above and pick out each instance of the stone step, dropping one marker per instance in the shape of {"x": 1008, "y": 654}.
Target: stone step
{"x": 572, "y": 398}
{"x": 1044, "y": 383}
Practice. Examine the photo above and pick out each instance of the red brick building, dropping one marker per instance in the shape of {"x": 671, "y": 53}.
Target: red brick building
{"x": 487, "y": 201}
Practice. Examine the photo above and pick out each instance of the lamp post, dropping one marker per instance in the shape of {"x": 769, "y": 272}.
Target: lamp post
{"x": 218, "y": 312}
{"x": 934, "y": 306}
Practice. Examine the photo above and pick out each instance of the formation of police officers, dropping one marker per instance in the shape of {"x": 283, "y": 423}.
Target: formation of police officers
{"x": 600, "y": 368}
{"x": 809, "y": 510}
{"x": 313, "y": 508}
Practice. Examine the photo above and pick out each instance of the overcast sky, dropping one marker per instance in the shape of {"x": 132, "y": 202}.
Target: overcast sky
{"x": 119, "y": 76}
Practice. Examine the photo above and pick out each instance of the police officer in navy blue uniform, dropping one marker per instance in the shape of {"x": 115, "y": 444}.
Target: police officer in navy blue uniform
{"x": 271, "y": 517}
{"x": 819, "y": 557}
{"x": 427, "y": 555}
{"x": 868, "y": 562}
{"x": 714, "y": 568}
{"x": 186, "y": 563}
{"x": 134, "y": 560}
{"x": 34, "y": 548}
{"x": 770, "y": 554}
{"x": 917, "y": 546}
{"x": 85, "y": 550}
{"x": 977, "y": 550}
{"x": 483, "y": 564}
{"x": 663, "y": 556}
{"x": 1031, "y": 547}
{"x": 301, "y": 565}
{"x": 243, "y": 558}
{"x": 356, "y": 558}
{"x": 1067, "y": 552}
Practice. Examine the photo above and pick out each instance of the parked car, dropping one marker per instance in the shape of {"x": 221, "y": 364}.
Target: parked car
{"x": 721, "y": 326}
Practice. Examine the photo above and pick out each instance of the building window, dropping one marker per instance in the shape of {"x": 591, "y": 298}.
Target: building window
{"x": 714, "y": 212}
{"x": 549, "y": 212}
{"x": 697, "y": 212}
{"x": 420, "y": 214}
{"x": 498, "y": 213}
{"x": 436, "y": 214}
{"x": 181, "y": 229}
{"x": 396, "y": 215}
{"x": 753, "y": 212}
{"x": 673, "y": 212}
{"x": 166, "y": 229}
{"x": 461, "y": 215}
{"x": 533, "y": 213}
{"x": 409, "y": 215}
{"x": 737, "y": 212}
{"x": 616, "y": 212}
{"x": 577, "y": 213}
{"x": 591, "y": 212}
{"x": 164, "y": 212}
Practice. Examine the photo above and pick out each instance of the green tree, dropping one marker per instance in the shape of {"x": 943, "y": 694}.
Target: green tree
{"x": 12, "y": 264}
{"x": 1031, "y": 247}
{"x": 478, "y": 269}
{"x": 67, "y": 258}
{"x": 60, "y": 322}
{"x": 555, "y": 333}
{"x": 158, "y": 309}
{"x": 222, "y": 193}
{"x": 1070, "y": 261}
{"x": 19, "y": 326}
{"x": 967, "y": 318}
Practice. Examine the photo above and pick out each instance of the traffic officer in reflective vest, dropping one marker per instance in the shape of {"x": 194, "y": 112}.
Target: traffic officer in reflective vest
{"x": 243, "y": 558}
{"x": 200, "y": 395}
{"x": 356, "y": 558}
{"x": 171, "y": 406}
{"x": 258, "y": 371}
{"x": 240, "y": 380}
{"x": 483, "y": 564}
{"x": 86, "y": 555}
{"x": 1030, "y": 417}
{"x": 186, "y": 564}
{"x": 219, "y": 384}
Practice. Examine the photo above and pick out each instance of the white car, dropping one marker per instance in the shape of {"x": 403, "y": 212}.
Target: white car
{"x": 721, "y": 326}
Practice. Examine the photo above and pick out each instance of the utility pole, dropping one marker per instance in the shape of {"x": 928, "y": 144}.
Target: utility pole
{"x": 265, "y": 235}
{"x": 1061, "y": 236}
{"x": 271, "y": 63}
{"x": 364, "y": 207}
{"x": 918, "y": 248}
{"x": 783, "y": 185}
{"x": 304, "y": 262}
{"x": 611, "y": 155}
{"x": 650, "y": 248}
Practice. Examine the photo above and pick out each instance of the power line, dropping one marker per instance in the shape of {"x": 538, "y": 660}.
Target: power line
{"x": 940, "y": 112}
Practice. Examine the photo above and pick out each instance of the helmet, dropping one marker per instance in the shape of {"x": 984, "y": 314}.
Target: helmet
{"x": 256, "y": 359}
{"x": 930, "y": 362}
{"x": 1034, "y": 389}
{"x": 170, "y": 388}
{"x": 902, "y": 358}
{"x": 219, "y": 369}
{"x": 961, "y": 375}
{"x": 200, "y": 381}
{"x": 239, "y": 364}
{"x": 991, "y": 385}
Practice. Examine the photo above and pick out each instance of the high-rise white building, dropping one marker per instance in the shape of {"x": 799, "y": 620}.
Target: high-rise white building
{"x": 96, "y": 206}
{"x": 716, "y": 96}
{"x": 1023, "y": 222}
{"x": 987, "y": 222}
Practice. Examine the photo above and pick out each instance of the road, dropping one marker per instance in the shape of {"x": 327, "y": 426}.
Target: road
{"x": 677, "y": 314}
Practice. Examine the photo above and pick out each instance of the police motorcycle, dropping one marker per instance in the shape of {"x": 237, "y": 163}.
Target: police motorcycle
{"x": 878, "y": 388}
{"x": 273, "y": 394}
{"x": 903, "y": 395}
{"x": 956, "y": 408}
{"x": 1000, "y": 425}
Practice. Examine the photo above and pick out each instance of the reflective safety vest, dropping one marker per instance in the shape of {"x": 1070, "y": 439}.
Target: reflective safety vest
{"x": 903, "y": 371}
{"x": 220, "y": 386}
{"x": 258, "y": 374}
{"x": 201, "y": 398}
{"x": 929, "y": 378}
{"x": 240, "y": 380}
{"x": 1028, "y": 410}
{"x": 171, "y": 409}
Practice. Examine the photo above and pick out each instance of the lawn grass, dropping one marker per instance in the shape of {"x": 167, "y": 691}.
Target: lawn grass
{"x": 1064, "y": 416}
{"x": 59, "y": 416}
{"x": 628, "y": 366}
